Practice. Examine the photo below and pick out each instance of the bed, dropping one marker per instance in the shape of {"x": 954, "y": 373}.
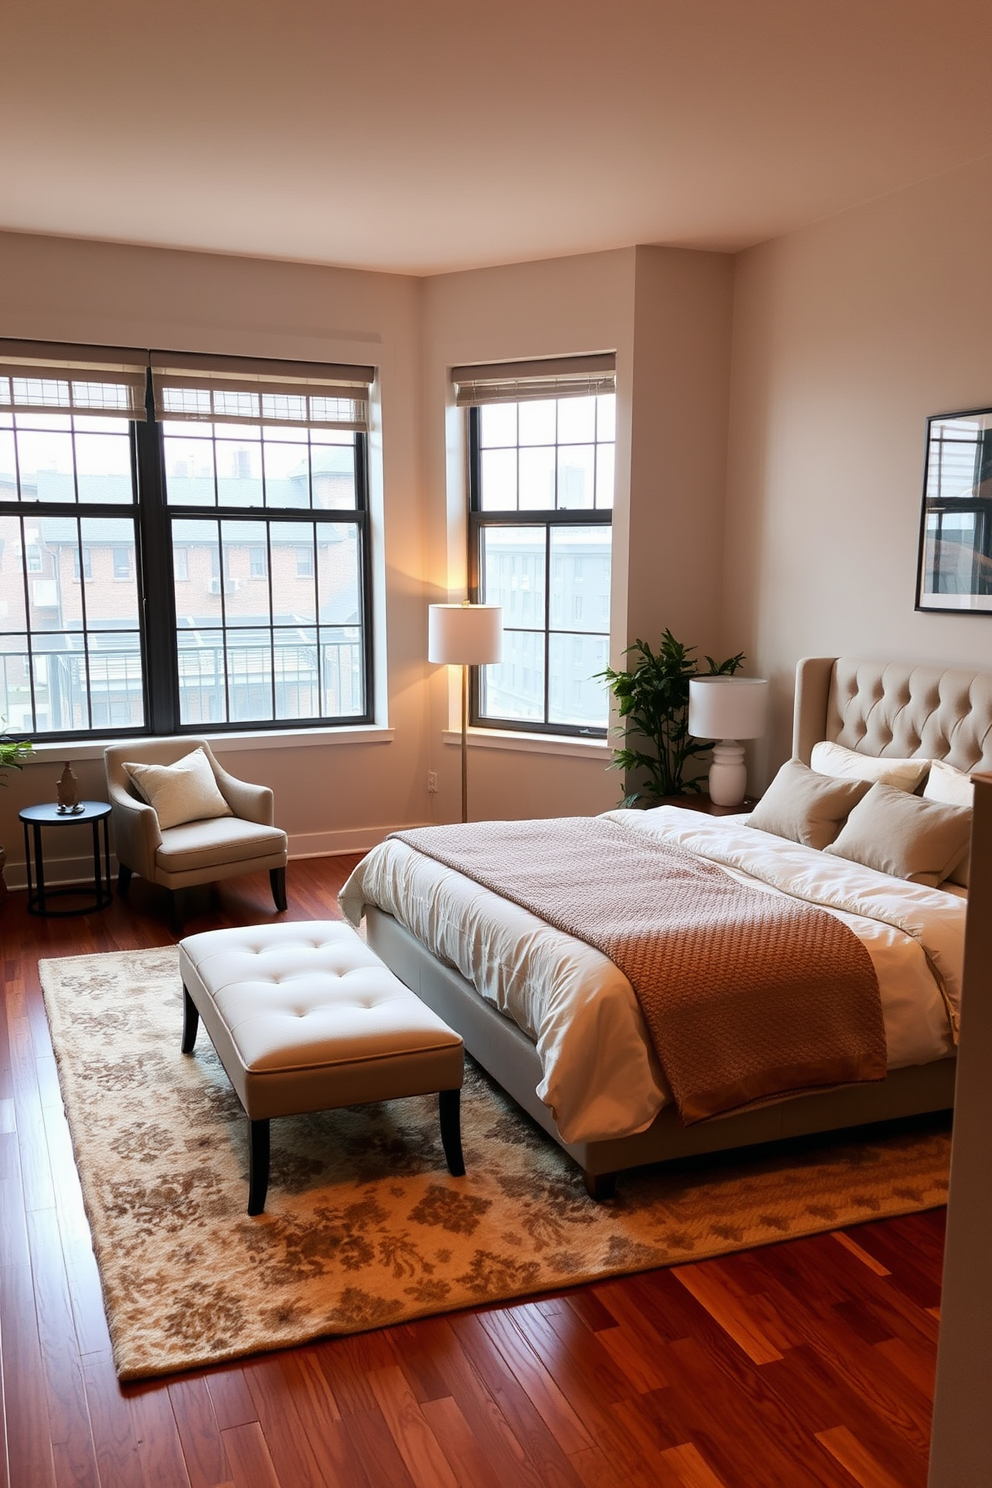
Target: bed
{"x": 557, "y": 1025}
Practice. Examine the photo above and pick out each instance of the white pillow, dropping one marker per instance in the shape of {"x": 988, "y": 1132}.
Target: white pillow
{"x": 848, "y": 764}
{"x": 950, "y": 786}
{"x": 184, "y": 792}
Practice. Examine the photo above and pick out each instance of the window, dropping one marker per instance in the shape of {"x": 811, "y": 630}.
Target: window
{"x": 230, "y": 469}
{"x": 541, "y": 441}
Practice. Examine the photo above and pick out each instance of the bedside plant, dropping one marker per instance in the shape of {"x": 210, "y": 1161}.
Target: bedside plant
{"x": 653, "y": 699}
{"x": 13, "y": 754}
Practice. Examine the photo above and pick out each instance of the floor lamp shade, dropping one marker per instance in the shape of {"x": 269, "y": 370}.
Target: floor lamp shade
{"x": 465, "y": 635}
{"x": 727, "y": 709}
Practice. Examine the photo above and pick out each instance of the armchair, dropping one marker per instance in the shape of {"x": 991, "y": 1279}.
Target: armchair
{"x": 195, "y": 851}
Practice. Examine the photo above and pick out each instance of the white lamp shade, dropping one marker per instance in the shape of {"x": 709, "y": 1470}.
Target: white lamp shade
{"x": 727, "y": 707}
{"x": 465, "y": 635}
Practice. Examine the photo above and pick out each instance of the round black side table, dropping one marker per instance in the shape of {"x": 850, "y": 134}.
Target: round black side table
{"x": 48, "y": 815}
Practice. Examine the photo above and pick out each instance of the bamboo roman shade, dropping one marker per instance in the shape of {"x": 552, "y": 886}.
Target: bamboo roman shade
{"x": 520, "y": 382}
{"x": 42, "y": 378}
{"x": 233, "y": 390}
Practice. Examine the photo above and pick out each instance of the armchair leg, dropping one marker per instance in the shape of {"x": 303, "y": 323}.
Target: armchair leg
{"x": 277, "y": 878}
{"x": 123, "y": 879}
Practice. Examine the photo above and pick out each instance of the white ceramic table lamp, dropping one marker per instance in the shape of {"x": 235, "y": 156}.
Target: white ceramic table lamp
{"x": 727, "y": 709}
{"x": 465, "y": 635}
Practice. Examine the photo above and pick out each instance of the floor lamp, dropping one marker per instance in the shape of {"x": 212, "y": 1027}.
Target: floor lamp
{"x": 465, "y": 635}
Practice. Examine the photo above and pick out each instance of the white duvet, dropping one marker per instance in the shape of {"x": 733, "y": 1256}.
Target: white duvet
{"x": 601, "y": 1075}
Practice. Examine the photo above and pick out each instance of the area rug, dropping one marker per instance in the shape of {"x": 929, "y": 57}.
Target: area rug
{"x": 364, "y": 1226}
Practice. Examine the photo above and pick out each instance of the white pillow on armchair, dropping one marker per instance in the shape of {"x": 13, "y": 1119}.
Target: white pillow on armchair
{"x": 184, "y": 792}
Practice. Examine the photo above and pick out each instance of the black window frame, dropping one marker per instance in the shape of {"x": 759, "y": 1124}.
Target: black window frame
{"x": 548, "y": 519}
{"x": 152, "y": 515}
{"x": 156, "y": 514}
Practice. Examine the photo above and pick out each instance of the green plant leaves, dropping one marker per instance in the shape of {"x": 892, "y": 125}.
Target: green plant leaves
{"x": 653, "y": 701}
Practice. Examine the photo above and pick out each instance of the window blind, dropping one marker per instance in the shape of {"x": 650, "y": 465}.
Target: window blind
{"x": 41, "y": 378}
{"x": 232, "y": 390}
{"x": 521, "y": 382}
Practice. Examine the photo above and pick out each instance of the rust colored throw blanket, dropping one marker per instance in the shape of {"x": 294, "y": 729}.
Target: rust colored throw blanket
{"x": 747, "y": 995}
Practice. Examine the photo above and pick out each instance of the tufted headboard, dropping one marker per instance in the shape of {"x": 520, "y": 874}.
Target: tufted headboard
{"x": 892, "y": 708}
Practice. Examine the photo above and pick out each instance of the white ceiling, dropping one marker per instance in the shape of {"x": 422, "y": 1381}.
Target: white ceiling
{"x": 425, "y": 135}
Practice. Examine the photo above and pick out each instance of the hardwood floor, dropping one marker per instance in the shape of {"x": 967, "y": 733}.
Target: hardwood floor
{"x": 805, "y": 1363}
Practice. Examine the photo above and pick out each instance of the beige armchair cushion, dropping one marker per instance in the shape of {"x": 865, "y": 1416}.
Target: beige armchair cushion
{"x": 183, "y": 792}
{"x": 211, "y": 844}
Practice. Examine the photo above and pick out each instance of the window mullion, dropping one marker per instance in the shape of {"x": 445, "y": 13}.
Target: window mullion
{"x": 158, "y": 598}
{"x": 547, "y": 622}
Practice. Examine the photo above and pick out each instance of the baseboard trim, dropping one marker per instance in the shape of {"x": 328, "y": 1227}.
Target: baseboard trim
{"x": 61, "y": 872}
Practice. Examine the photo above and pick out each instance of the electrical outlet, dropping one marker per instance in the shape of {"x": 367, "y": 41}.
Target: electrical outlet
{"x": 432, "y": 781}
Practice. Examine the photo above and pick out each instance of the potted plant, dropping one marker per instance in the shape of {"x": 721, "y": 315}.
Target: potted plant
{"x": 13, "y": 754}
{"x": 653, "y": 699}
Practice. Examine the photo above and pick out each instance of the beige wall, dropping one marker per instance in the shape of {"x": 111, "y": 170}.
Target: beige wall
{"x": 665, "y": 313}
{"x": 556, "y": 308}
{"x": 334, "y": 795}
{"x": 846, "y": 336}
{"x": 680, "y": 389}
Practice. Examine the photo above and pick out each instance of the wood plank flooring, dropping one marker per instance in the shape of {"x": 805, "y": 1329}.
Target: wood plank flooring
{"x": 808, "y": 1363}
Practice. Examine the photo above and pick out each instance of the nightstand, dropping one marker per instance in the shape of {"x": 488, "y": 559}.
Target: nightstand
{"x": 700, "y": 801}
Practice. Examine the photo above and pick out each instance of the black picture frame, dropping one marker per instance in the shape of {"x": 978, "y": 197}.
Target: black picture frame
{"x": 954, "y": 572}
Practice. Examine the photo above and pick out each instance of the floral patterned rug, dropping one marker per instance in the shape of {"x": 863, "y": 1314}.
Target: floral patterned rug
{"x": 363, "y": 1225}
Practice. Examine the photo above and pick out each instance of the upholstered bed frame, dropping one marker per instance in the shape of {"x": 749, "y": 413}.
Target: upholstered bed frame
{"x": 874, "y": 707}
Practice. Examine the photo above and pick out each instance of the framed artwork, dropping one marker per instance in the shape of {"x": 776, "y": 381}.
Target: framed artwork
{"x": 955, "y": 564}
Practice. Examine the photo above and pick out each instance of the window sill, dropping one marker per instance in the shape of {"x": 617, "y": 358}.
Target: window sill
{"x": 92, "y": 749}
{"x": 567, "y": 745}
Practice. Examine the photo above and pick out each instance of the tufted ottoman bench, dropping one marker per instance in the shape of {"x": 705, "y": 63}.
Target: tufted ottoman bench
{"x": 304, "y": 1017}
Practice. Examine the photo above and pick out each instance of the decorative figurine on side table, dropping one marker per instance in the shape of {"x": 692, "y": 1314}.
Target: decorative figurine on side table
{"x": 68, "y": 792}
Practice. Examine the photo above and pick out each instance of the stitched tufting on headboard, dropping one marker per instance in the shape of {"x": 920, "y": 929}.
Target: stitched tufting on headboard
{"x": 892, "y": 708}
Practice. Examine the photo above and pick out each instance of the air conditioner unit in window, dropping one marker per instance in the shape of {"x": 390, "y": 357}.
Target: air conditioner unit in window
{"x": 213, "y": 587}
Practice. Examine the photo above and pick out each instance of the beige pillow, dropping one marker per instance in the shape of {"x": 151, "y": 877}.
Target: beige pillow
{"x": 804, "y": 806}
{"x": 184, "y": 792}
{"x": 848, "y": 764}
{"x": 953, "y": 788}
{"x": 905, "y": 835}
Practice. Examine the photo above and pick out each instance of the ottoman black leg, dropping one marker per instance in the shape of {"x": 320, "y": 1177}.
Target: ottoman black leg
{"x": 449, "y": 1108}
{"x": 191, "y": 1022}
{"x": 258, "y": 1164}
